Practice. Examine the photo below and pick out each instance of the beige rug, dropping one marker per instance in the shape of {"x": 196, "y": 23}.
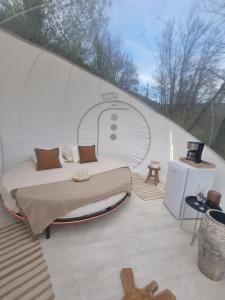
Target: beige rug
{"x": 23, "y": 270}
{"x": 146, "y": 191}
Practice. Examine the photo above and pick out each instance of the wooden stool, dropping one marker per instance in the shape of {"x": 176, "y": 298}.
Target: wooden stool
{"x": 154, "y": 168}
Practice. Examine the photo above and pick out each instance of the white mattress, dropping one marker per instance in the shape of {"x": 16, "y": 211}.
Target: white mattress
{"x": 25, "y": 174}
{"x": 95, "y": 207}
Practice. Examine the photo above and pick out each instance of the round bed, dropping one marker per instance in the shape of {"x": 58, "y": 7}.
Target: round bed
{"x": 25, "y": 175}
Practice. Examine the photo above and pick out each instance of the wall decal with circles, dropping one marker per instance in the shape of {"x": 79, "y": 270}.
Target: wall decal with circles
{"x": 114, "y": 117}
{"x": 119, "y": 132}
{"x": 113, "y": 127}
{"x": 113, "y": 136}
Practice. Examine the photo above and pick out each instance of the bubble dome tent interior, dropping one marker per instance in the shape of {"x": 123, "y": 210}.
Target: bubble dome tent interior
{"x": 49, "y": 101}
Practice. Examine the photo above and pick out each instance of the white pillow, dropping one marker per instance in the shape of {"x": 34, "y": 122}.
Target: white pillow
{"x": 75, "y": 153}
{"x": 67, "y": 155}
{"x": 61, "y": 159}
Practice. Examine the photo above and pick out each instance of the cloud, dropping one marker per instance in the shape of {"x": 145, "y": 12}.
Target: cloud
{"x": 146, "y": 78}
{"x": 128, "y": 19}
{"x": 131, "y": 18}
{"x": 144, "y": 59}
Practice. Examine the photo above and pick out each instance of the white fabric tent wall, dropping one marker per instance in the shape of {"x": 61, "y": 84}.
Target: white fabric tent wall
{"x": 118, "y": 130}
{"x": 43, "y": 98}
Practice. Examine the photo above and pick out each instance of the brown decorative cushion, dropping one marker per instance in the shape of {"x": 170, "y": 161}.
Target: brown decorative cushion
{"x": 87, "y": 154}
{"x": 47, "y": 159}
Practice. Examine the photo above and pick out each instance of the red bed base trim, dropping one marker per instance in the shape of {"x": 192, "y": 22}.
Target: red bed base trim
{"x": 77, "y": 219}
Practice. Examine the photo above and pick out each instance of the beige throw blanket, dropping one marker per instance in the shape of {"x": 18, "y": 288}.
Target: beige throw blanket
{"x": 44, "y": 203}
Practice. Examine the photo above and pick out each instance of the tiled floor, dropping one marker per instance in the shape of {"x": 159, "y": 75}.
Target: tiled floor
{"x": 85, "y": 260}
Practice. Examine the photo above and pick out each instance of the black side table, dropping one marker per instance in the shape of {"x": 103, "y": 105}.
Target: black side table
{"x": 200, "y": 207}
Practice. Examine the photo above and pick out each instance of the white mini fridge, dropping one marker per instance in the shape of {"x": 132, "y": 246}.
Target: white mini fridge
{"x": 184, "y": 180}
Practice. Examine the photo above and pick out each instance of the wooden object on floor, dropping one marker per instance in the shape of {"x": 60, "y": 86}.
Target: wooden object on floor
{"x": 201, "y": 165}
{"x": 153, "y": 172}
{"x": 214, "y": 197}
{"x": 146, "y": 293}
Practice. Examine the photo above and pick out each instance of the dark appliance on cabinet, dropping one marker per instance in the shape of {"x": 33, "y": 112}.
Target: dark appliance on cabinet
{"x": 194, "y": 152}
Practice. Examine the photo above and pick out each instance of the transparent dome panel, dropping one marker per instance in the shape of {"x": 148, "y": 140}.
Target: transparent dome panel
{"x": 170, "y": 54}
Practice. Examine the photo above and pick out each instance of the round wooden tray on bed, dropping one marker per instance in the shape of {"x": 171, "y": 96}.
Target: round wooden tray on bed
{"x": 81, "y": 178}
{"x": 75, "y": 220}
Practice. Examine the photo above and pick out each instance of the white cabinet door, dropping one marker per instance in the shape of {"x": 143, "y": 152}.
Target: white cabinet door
{"x": 176, "y": 180}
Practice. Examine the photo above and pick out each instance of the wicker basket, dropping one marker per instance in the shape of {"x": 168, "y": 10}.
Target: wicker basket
{"x": 211, "y": 245}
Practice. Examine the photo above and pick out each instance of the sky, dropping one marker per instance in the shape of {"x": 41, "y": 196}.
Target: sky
{"x": 139, "y": 24}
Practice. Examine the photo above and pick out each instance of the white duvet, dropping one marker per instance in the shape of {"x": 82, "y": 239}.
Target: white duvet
{"x": 25, "y": 174}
